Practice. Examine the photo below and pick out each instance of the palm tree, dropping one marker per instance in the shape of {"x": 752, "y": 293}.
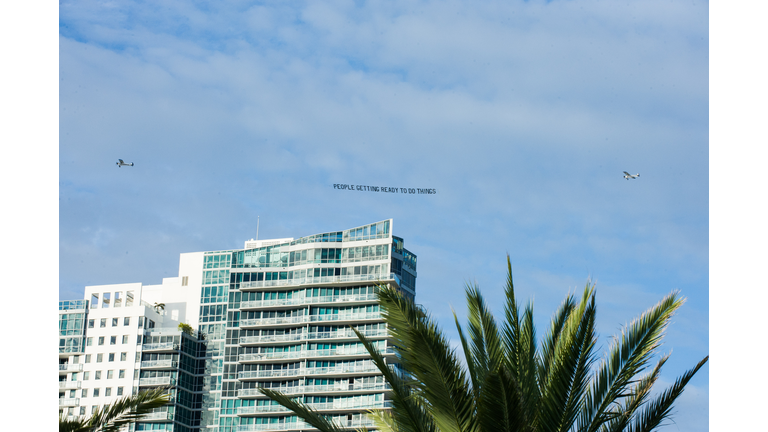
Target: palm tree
{"x": 160, "y": 306}
{"x": 511, "y": 383}
{"x": 110, "y": 418}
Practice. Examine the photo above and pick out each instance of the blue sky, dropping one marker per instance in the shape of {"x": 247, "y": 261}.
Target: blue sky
{"x": 522, "y": 114}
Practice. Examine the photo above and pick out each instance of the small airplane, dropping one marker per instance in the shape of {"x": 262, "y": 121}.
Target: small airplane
{"x": 121, "y": 163}
{"x": 626, "y": 175}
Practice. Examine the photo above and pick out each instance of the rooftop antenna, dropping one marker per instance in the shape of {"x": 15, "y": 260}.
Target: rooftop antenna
{"x": 257, "y": 227}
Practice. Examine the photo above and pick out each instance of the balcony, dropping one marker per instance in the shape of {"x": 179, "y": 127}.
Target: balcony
{"x": 300, "y": 425}
{"x": 159, "y": 364}
{"x": 345, "y": 387}
{"x": 284, "y": 355}
{"x": 250, "y": 375}
{"x": 260, "y": 322}
{"x": 165, "y": 346}
{"x": 252, "y": 340}
{"x": 253, "y": 393}
{"x": 342, "y": 370}
{"x": 346, "y": 317}
{"x": 346, "y": 334}
{"x": 69, "y": 402}
{"x": 64, "y": 385}
{"x": 261, "y": 409}
{"x": 69, "y": 367}
{"x": 158, "y": 381}
{"x": 302, "y": 300}
{"x": 319, "y": 280}
{"x": 351, "y": 405}
{"x": 157, "y": 416}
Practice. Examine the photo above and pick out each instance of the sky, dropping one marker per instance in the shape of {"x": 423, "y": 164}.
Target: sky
{"x": 522, "y": 115}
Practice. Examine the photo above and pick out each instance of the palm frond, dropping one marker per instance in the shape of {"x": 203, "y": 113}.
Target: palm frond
{"x": 427, "y": 354}
{"x": 302, "y": 410}
{"x": 76, "y": 424}
{"x": 567, "y": 378}
{"x": 407, "y": 413}
{"x": 660, "y": 409}
{"x": 627, "y": 357}
{"x": 128, "y": 409}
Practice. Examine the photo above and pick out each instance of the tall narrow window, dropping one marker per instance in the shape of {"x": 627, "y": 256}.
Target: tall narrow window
{"x": 118, "y": 299}
{"x": 129, "y": 298}
{"x": 184, "y": 280}
{"x": 105, "y": 300}
{"x": 94, "y": 301}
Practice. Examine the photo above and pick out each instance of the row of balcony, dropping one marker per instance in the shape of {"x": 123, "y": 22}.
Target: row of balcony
{"x": 330, "y": 406}
{"x": 346, "y": 351}
{"x": 157, "y": 381}
{"x": 328, "y": 388}
{"x": 346, "y": 333}
{"x": 302, "y": 319}
{"x": 301, "y": 425}
{"x": 303, "y": 300}
{"x": 308, "y": 371}
{"x": 245, "y": 286}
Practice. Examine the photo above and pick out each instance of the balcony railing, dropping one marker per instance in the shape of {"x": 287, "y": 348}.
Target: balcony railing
{"x": 300, "y": 300}
{"x": 345, "y": 317}
{"x": 69, "y": 402}
{"x": 249, "y": 410}
{"x": 158, "y": 381}
{"x": 338, "y": 334}
{"x": 157, "y": 416}
{"x": 242, "y": 358}
{"x": 165, "y": 346}
{"x": 318, "y": 280}
{"x": 159, "y": 364}
{"x": 68, "y": 367}
{"x": 256, "y": 322}
{"x": 69, "y": 384}
{"x": 328, "y": 388}
{"x": 270, "y": 373}
{"x": 300, "y": 425}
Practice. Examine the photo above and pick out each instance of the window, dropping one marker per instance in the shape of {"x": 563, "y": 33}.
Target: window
{"x": 119, "y": 391}
{"x": 95, "y": 393}
{"x": 108, "y": 391}
{"x": 141, "y": 322}
{"x": 90, "y": 323}
{"x": 138, "y": 340}
{"x": 74, "y": 376}
{"x": 127, "y": 321}
{"x": 136, "y": 374}
{"x": 88, "y": 341}
{"x": 121, "y": 374}
{"x": 82, "y": 410}
{"x": 75, "y": 359}
{"x": 86, "y": 375}
{"x": 114, "y": 322}
{"x": 123, "y": 356}
{"x": 72, "y": 393}
{"x": 110, "y": 374}
{"x": 85, "y": 393}
{"x": 97, "y": 376}
{"x": 125, "y": 339}
{"x": 151, "y": 324}
{"x": 184, "y": 280}
{"x": 138, "y": 356}
{"x": 87, "y": 358}
{"x": 113, "y": 340}
{"x": 101, "y": 340}
{"x": 99, "y": 358}
{"x": 111, "y": 357}
{"x": 103, "y": 323}
{"x": 94, "y": 407}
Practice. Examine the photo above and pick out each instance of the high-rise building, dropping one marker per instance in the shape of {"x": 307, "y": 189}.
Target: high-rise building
{"x": 276, "y": 314}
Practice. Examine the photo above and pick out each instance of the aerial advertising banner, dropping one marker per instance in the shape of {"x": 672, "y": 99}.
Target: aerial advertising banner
{"x": 385, "y": 189}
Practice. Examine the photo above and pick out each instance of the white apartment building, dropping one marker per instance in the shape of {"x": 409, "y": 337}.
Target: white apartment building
{"x": 274, "y": 314}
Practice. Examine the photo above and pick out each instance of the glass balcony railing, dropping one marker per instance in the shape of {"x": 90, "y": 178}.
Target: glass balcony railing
{"x": 69, "y": 384}
{"x": 158, "y": 381}
{"x": 159, "y": 364}
{"x": 69, "y": 367}
{"x": 300, "y": 425}
{"x": 165, "y": 346}
{"x": 69, "y": 402}
{"x": 299, "y": 300}
{"x": 318, "y": 280}
{"x": 338, "y": 334}
{"x": 157, "y": 416}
